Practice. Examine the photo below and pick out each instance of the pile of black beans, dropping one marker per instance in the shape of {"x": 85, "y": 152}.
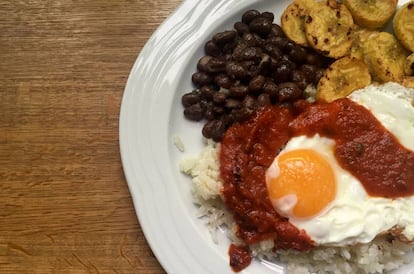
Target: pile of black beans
{"x": 243, "y": 69}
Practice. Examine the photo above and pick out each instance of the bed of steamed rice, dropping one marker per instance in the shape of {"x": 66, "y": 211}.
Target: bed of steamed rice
{"x": 376, "y": 257}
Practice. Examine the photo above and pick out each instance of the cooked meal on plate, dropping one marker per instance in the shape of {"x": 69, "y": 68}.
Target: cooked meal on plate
{"x": 309, "y": 130}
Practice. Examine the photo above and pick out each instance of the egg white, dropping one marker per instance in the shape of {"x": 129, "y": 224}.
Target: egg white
{"x": 355, "y": 217}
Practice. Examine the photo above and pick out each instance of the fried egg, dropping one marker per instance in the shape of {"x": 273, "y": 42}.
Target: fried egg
{"x": 306, "y": 183}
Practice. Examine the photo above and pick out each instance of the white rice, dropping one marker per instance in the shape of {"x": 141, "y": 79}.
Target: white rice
{"x": 376, "y": 257}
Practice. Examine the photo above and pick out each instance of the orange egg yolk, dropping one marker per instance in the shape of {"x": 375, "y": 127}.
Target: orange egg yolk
{"x": 306, "y": 179}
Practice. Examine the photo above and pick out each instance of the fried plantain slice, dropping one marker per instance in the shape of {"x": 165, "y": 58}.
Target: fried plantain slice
{"x": 385, "y": 57}
{"x": 372, "y": 14}
{"x": 328, "y": 28}
{"x": 403, "y": 25}
{"x": 293, "y": 21}
{"x": 360, "y": 36}
{"x": 341, "y": 78}
{"x": 409, "y": 65}
{"x": 408, "y": 81}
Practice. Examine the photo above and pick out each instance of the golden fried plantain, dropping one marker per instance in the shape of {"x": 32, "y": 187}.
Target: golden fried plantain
{"x": 403, "y": 25}
{"x": 328, "y": 28}
{"x": 385, "y": 57}
{"x": 372, "y": 14}
{"x": 409, "y": 65}
{"x": 360, "y": 36}
{"x": 293, "y": 20}
{"x": 341, "y": 78}
{"x": 408, "y": 81}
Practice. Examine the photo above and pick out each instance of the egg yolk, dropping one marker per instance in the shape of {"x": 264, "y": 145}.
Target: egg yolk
{"x": 304, "y": 184}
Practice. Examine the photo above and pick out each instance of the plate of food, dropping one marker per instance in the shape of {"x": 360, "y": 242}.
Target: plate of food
{"x": 275, "y": 137}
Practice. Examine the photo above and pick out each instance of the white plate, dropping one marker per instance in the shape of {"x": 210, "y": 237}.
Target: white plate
{"x": 151, "y": 114}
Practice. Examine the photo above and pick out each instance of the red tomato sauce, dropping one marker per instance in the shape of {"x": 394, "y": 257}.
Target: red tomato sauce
{"x": 247, "y": 150}
{"x": 239, "y": 257}
{"x": 363, "y": 147}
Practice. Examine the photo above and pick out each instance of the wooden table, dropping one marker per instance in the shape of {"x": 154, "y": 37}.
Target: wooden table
{"x": 64, "y": 202}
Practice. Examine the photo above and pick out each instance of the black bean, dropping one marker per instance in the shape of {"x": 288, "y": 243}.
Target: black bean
{"x": 273, "y": 50}
{"x": 227, "y": 119}
{"x": 289, "y": 91}
{"x": 212, "y": 49}
{"x": 249, "y": 15}
{"x": 276, "y": 31}
{"x": 287, "y": 59}
{"x": 275, "y": 63}
{"x": 249, "y": 102}
{"x": 309, "y": 72}
{"x": 241, "y": 28}
{"x": 313, "y": 59}
{"x": 219, "y": 97}
{"x": 218, "y": 110}
{"x": 241, "y": 114}
{"x": 209, "y": 114}
{"x": 194, "y": 112}
{"x": 238, "y": 91}
{"x": 263, "y": 100}
{"x": 236, "y": 71}
{"x": 229, "y": 47}
{"x": 282, "y": 72}
{"x": 247, "y": 64}
{"x": 238, "y": 51}
{"x": 223, "y": 80}
{"x": 256, "y": 83}
{"x": 222, "y": 38}
{"x": 299, "y": 78}
{"x": 205, "y": 104}
{"x": 250, "y": 53}
{"x": 259, "y": 40}
{"x": 190, "y": 98}
{"x": 201, "y": 79}
{"x": 261, "y": 26}
{"x": 280, "y": 42}
{"x": 219, "y": 130}
{"x": 202, "y": 63}
{"x": 250, "y": 39}
{"x": 214, "y": 129}
{"x": 207, "y": 92}
{"x": 215, "y": 65}
{"x": 253, "y": 70}
{"x": 298, "y": 53}
{"x": 272, "y": 89}
{"x": 289, "y": 46}
{"x": 268, "y": 15}
{"x": 232, "y": 103}
{"x": 227, "y": 57}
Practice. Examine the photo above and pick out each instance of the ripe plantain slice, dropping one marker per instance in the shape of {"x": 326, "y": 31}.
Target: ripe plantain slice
{"x": 409, "y": 65}
{"x": 293, "y": 21}
{"x": 408, "y": 81}
{"x": 372, "y": 14}
{"x": 328, "y": 28}
{"x": 341, "y": 78}
{"x": 360, "y": 36}
{"x": 403, "y": 24}
{"x": 385, "y": 57}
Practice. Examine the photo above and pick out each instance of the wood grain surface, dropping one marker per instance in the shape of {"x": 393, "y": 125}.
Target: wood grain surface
{"x": 64, "y": 202}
